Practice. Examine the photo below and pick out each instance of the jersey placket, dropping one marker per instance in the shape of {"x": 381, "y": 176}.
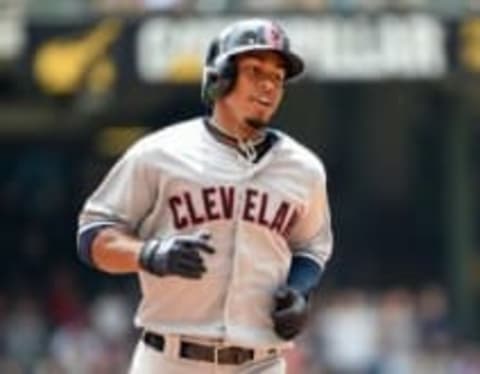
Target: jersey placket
{"x": 242, "y": 173}
{"x": 249, "y": 169}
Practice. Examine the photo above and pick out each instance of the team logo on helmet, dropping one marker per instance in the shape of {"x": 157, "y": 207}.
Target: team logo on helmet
{"x": 274, "y": 36}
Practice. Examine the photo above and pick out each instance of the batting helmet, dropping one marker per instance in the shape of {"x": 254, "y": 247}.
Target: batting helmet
{"x": 241, "y": 37}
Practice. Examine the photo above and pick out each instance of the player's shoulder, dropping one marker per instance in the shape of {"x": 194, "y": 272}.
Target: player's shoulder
{"x": 168, "y": 137}
{"x": 292, "y": 151}
{"x": 185, "y": 131}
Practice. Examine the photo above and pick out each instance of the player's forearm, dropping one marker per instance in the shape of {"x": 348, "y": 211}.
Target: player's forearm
{"x": 116, "y": 252}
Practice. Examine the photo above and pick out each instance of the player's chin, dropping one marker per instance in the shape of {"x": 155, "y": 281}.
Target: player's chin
{"x": 258, "y": 120}
{"x": 258, "y": 123}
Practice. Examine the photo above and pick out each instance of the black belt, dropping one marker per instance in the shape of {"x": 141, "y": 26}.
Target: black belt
{"x": 194, "y": 351}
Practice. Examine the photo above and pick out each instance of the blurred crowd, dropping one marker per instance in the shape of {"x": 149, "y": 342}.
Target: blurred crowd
{"x": 395, "y": 331}
{"x": 78, "y": 7}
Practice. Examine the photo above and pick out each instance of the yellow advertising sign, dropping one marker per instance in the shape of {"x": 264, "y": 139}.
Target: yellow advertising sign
{"x": 64, "y": 65}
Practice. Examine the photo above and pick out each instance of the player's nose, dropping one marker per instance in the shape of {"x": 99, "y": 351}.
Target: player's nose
{"x": 267, "y": 86}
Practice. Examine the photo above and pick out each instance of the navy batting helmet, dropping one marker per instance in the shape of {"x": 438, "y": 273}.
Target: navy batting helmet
{"x": 242, "y": 37}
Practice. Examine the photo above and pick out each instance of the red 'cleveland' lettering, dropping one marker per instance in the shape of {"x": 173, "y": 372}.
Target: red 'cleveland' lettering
{"x": 263, "y": 208}
{"x": 179, "y": 222}
{"x": 227, "y": 195}
{"x": 213, "y": 203}
{"x": 291, "y": 222}
{"x": 249, "y": 205}
{"x": 196, "y": 219}
{"x": 210, "y": 203}
{"x": 280, "y": 216}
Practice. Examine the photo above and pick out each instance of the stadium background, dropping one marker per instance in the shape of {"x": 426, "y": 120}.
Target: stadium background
{"x": 390, "y": 102}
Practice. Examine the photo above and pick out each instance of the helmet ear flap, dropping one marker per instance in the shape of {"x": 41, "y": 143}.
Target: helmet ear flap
{"x": 218, "y": 76}
{"x": 227, "y": 72}
{"x": 210, "y": 73}
{"x": 209, "y": 85}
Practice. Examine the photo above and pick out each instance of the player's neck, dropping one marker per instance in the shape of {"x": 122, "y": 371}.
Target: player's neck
{"x": 234, "y": 128}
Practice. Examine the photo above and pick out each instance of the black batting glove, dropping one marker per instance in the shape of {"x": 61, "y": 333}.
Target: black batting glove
{"x": 178, "y": 255}
{"x": 290, "y": 312}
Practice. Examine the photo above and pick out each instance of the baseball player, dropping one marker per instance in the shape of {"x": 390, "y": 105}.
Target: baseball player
{"x": 225, "y": 220}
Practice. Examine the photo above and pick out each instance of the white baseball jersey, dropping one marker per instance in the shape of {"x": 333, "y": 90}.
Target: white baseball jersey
{"x": 182, "y": 179}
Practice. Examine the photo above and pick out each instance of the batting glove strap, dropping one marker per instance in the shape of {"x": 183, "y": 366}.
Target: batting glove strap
{"x": 148, "y": 258}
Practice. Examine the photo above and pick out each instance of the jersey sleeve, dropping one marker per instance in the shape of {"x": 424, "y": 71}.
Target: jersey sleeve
{"x": 311, "y": 235}
{"x": 124, "y": 197}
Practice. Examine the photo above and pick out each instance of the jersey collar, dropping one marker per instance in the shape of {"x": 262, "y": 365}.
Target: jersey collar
{"x": 253, "y": 152}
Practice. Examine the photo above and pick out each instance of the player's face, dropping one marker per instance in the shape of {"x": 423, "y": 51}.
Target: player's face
{"x": 258, "y": 88}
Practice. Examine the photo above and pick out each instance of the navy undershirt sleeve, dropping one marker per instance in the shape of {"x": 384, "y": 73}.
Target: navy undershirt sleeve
{"x": 85, "y": 241}
{"x": 304, "y": 274}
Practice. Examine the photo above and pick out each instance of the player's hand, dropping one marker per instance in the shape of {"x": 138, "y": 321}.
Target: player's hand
{"x": 178, "y": 255}
{"x": 290, "y": 312}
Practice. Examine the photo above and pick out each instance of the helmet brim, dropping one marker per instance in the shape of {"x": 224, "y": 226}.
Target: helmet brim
{"x": 295, "y": 64}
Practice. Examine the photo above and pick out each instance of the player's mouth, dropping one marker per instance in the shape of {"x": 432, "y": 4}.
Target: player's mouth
{"x": 262, "y": 101}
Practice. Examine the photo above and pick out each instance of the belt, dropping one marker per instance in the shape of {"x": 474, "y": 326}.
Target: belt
{"x": 194, "y": 351}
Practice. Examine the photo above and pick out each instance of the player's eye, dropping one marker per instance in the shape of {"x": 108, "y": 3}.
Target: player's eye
{"x": 253, "y": 72}
{"x": 257, "y": 74}
{"x": 277, "y": 78}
